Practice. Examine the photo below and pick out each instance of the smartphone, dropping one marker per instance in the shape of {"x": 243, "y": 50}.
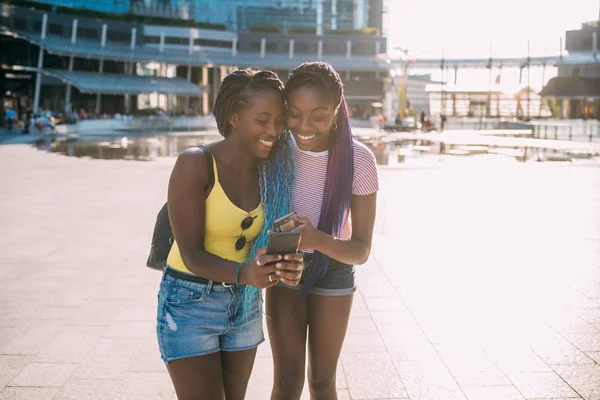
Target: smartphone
{"x": 286, "y": 223}
{"x": 283, "y": 243}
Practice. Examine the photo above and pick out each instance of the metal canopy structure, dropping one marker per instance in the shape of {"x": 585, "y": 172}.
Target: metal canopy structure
{"x": 219, "y": 57}
{"x": 572, "y": 87}
{"x": 585, "y": 58}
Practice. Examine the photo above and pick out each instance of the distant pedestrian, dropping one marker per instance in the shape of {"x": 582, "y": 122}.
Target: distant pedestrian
{"x": 27, "y": 123}
{"x": 40, "y": 124}
{"x": 11, "y": 116}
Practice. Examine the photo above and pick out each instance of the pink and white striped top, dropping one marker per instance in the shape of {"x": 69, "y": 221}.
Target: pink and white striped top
{"x": 311, "y": 169}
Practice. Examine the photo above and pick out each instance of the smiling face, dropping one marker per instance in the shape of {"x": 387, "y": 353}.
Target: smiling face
{"x": 259, "y": 122}
{"x": 311, "y": 114}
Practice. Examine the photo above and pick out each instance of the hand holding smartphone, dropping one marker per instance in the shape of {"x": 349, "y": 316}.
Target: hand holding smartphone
{"x": 289, "y": 270}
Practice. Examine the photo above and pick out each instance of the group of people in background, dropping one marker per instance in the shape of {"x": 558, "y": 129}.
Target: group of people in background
{"x": 45, "y": 121}
{"x": 42, "y": 122}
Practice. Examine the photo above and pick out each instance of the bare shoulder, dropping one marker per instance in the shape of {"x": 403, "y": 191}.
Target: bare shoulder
{"x": 191, "y": 154}
{"x": 191, "y": 164}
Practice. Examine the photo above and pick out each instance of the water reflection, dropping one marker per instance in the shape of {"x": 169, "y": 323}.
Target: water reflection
{"x": 410, "y": 153}
{"x": 141, "y": 148}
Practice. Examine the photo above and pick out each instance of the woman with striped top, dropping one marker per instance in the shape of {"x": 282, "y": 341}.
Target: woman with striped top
{"x": 335, "y": 196}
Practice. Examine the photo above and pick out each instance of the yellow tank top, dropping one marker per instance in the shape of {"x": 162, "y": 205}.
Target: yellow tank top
{"x": 223, "y": 221}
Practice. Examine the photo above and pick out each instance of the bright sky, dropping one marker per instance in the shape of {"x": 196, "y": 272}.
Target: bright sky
{"x": 464, "y": 28}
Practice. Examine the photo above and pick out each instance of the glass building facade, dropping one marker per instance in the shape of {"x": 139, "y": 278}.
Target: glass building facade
{"x": 109, "y": 6}
{"x": 318, "y": 15}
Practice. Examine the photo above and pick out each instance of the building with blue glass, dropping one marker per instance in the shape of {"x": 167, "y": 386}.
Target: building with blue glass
{"x": 124, "y": 56}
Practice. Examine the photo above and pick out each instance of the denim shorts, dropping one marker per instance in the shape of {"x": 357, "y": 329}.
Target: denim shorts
{"x": 338, "y": 281}
{"x": 196, "y": 319}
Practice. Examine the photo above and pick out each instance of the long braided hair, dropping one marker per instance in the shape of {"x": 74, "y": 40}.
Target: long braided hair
{"x": 335, "y": 206}
{"x": 276, "y": 173}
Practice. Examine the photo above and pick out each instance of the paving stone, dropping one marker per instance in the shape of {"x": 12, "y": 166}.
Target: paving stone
{"x": 359, "y": 307}
{"x": 429, "y": 391}
{"x": 400, "y": 336}
{"x": 372, "y": 375}
{"x": 137, "y": 314}
{"x": 362, "y": 326}
{"x": 28, "y": 393}
{"x": 131, "y": 329}
{"x": 29, "y": 339}
{"x": 561, "y": 353}
{"x": 363, "y": 343}
{"x": 591, "y": 315}
{"x": 374, "y": 283}
{"x": 44, "y": 374}
{"x": 111, "y": 358}
{"x": 72, "y": 345}
{"x": 583, "y": 378}
{"x": 466, "y": 378}
{"x": 594, "y": 355}
{"x": 541, "y": 385}
{"x": 148, "y": 358}
{"x": 89, "y": 389}
{"x": 145, "y": 386}
{"x": 517, "y": 359}
{"x": 493, "y": 393}
{"x": 10, "y": 366}
{"x": 100, "y": 312}
{"x": 385, "y": 304}
{"x": 585, "y": 341}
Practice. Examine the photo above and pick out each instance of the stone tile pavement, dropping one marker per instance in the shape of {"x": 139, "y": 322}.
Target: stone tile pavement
{"x": 483, "y": 284}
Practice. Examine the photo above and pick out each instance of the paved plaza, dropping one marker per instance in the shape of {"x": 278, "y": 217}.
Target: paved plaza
{"x": 483, "y": 283}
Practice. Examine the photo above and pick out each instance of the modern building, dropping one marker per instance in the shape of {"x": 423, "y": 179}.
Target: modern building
{"x": 127, "y": 59}
{"x": 109, "y": 6}
{"x": 416, "y": 93}
{"x": 455, "y": 101}
{"x": 575, "y": 92}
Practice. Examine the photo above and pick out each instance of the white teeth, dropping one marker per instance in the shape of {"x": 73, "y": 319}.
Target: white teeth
{"x": 306, "y": 137}
{"x": 267, "y": 143}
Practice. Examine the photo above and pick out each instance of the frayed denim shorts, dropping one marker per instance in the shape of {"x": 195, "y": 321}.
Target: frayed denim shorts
{"x": 338, "y": 280}
{"x": 196, "y": 319}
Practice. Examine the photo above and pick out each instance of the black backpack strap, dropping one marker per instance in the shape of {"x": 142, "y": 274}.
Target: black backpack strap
{"x": 210, "y": 168}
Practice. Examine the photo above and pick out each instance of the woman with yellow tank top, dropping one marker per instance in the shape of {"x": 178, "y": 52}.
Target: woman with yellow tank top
{"x": 209, "y": 320}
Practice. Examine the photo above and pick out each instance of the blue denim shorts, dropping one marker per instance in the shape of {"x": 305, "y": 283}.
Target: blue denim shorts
{"x": 196, "y": 319}
{"x": 338, "y": 281}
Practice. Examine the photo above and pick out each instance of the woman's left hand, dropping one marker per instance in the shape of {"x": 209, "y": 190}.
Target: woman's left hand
{"x": 310, "y": 238}
{"x": 289, "y": 270}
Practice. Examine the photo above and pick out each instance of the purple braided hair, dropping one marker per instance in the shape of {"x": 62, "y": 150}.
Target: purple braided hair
{"x": 340, "y": 167}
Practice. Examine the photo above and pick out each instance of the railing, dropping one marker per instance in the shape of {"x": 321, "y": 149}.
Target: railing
{"x": 578, "y": 130}
{"x": 569, "y": 129}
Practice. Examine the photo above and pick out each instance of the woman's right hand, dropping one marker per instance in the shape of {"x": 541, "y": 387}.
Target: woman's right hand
{"x": 257, "y": 273}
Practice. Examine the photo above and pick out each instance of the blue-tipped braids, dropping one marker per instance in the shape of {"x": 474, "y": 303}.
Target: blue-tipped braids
{"x": 277, "y": 175}
{"x": 335, "y": 205}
